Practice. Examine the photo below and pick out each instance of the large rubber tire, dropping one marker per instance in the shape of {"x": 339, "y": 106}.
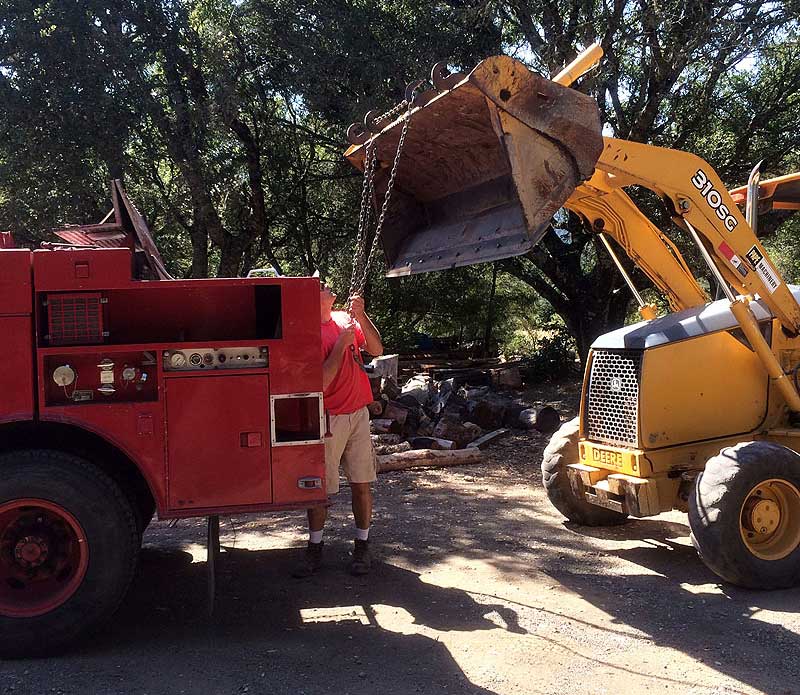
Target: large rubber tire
{"x": 715, "y": 507}
{"x": 560, "y": 452}
{"x": 104, "y": 515}
{"x": 144, "y": 509}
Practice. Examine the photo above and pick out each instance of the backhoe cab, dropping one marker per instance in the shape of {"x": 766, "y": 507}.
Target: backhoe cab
{"x": 694, "y": 410}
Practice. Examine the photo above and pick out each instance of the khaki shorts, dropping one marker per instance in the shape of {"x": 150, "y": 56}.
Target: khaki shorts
{"x": 351, "y": 447}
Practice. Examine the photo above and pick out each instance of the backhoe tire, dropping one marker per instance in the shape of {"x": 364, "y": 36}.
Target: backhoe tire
{"x": 68, "y": 550}
{"x": 559, "y": 453}
{"x": 744, "y": 514}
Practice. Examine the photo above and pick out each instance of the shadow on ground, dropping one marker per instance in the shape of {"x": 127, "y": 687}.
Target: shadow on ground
{"x": 682, "y": 605}
{"x": 273, "y": 634}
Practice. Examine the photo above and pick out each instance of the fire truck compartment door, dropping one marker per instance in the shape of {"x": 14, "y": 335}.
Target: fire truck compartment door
{"x": 218, "y": 441}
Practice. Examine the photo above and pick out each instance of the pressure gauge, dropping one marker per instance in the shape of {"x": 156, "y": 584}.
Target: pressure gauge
{"x": 64, "y": 375}
{"x": 177, "y": 360}
{"x": 129, "y": 373}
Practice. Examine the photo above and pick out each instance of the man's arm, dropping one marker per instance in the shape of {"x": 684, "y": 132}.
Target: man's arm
{"x": 372, "y": 338}
{"x": 332, "y": 362}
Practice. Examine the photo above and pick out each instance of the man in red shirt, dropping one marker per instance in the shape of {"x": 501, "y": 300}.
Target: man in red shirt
{"x": 347, "y": 392}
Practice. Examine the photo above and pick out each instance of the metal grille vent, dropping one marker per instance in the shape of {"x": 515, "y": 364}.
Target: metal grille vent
{"x": 612, "y": 408}
{"x": 74, "y": 319}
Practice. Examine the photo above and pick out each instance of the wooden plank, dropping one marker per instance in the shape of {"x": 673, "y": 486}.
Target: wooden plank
{"x": 483, "y": 441}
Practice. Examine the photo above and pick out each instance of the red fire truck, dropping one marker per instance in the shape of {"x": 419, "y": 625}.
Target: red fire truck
{"x": 125, "y": 392}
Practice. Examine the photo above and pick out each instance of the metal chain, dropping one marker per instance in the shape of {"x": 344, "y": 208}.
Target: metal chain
{"x": 364, "y": 214}
{"x": 397, "y": 108}
{"x": 361, "y": 278}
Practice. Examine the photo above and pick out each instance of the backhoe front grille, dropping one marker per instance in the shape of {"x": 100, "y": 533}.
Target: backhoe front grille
{"x": 612, "y": 404}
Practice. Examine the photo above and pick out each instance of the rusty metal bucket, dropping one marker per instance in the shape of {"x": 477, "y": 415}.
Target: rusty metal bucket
{"x": 487, "y": 161}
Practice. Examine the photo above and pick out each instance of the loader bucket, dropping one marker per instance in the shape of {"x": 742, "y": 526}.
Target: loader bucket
{"x": 486, "y": 163}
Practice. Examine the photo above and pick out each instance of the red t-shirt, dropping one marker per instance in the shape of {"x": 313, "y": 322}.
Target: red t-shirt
{"x": 350, "y": 390}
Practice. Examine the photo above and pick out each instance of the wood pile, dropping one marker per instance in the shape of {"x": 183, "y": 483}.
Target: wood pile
{"x": 446, "y": 414}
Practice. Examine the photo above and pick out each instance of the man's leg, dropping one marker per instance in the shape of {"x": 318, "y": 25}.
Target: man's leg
{"x": 362, "y": 513}
{"x": 362, "y": 505}
{"x": 334, "y": 446}
{"x": 359, "y": 464}
{"x": 316, "y": 522}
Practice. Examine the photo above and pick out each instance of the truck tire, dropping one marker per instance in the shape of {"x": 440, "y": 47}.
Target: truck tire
{"x": 559, "y": 453}
{"x": 744, "y": 514}
{"x": 68, "y": 550}
{"x": 144, "y": 509}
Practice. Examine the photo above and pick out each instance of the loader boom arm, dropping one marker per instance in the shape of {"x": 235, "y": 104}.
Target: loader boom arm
{"x": 696, "y": 194}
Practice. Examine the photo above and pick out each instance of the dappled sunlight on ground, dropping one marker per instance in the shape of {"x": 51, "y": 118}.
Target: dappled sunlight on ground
{"x": 478, "y": 587}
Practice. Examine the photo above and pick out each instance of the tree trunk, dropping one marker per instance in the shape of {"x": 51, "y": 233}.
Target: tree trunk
{"x": 487, "y": 335}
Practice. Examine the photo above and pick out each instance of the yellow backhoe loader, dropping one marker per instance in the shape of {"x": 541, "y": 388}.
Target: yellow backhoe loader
{"x": 697, "y": 410}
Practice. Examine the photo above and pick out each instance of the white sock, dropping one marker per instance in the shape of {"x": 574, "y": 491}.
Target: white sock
{"x": 362, "y": 534}
{"x": 315, "y": 536}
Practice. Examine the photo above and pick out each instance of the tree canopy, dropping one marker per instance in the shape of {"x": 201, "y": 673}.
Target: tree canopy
{"x": 226, "y": 120}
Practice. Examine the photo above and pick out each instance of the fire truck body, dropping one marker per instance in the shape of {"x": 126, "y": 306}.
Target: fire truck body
{"x": 192, "y": 397}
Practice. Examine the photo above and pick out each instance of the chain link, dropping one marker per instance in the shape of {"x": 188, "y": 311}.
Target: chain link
{"x": 364, "y": 214}
{"x": 363, "y": 258}
{"x": 397, "y": 108}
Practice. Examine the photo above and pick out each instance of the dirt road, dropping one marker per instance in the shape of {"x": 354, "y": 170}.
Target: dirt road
{"x": 479, "y": 588}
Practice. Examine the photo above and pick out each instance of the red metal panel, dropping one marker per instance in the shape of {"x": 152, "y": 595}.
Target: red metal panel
{"x": 120, "y": 425}
{"x": 15, "y": 282}
{"x": 289, "y": 465}
{"x": 16, "y": 369}
{"x": 90, "y": 269}
{"x": 210, "y": 422}
{"x": 296, "y": 361}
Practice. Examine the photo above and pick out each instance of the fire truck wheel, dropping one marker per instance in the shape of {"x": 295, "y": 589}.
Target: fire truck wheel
{"x": 68, "y": 550}
{"x": 560, "y": 452}
{"x": 144, "y": 509}
{"x": 744, "y": 513}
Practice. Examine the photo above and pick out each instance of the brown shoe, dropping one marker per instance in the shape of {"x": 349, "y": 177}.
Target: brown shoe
{"x": 362, "y": 559}
{"x": 311, "y": 562}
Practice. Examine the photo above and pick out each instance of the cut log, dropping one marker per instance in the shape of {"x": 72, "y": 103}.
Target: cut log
{"x": 546, "y": 420}
{"x": 383, "y": 439}
{"x": 527, "y": 418}
{"x": 489, "y": 413}
{"x": 432, "y": 443}
{"x": 462, "y": 433}
{"x": 390, "y": 389}
{"x": 419, "y": 388}
{"x": 408, "y": 401}
{"x": 376, "y": 408}
{"x": 396, "y": 411}
{"x": 508, "y": 377}
{"x": 383, "y": 426}
{"x": 473, "y": 394}
{"x": 425, "y": 427}
{"x": 393, "y": 448}
{"x": 375, "y": 386}
{"x": 512, "y": 415}
{"x": 385, "y": 366}
{"x": 481, "y": 442}
{"x": 428, "y": 458}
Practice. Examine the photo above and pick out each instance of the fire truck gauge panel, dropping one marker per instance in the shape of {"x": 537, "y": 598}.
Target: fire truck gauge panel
{"x": 197, "y": 359}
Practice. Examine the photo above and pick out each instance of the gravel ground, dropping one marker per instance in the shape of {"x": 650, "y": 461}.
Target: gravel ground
{"x": 479, "y": 587}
